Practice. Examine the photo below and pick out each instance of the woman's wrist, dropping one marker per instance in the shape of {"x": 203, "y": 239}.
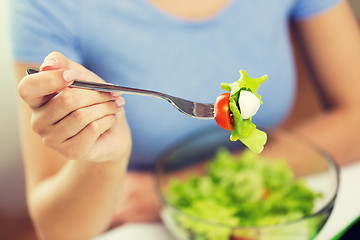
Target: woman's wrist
{"x": 106, "y": 167}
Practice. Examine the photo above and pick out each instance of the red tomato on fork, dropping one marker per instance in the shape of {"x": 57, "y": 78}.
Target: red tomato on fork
{"x": 222, "y": 113}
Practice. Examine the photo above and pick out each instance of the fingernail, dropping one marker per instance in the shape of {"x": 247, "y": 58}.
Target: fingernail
{"x": 69, "y": 75}
{"x": 115, "y": 94}
{"x": 47, "y": 63}
{"x": 120, "y": 101}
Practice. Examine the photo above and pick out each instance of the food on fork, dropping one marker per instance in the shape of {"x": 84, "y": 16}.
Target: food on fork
{"x": 233, "y": 111}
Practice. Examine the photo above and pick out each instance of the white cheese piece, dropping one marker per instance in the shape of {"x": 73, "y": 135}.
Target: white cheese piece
{"x": 249, "y": 104}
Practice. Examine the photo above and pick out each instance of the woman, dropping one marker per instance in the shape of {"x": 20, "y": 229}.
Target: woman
{"x": 78, "y": 145}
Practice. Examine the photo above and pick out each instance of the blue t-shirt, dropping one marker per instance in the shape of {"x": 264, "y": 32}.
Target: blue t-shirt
{"x": 135, "y": 44}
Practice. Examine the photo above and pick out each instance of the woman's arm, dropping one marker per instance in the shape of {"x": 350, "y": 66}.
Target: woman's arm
{"x": 70, "y": 199}
{"x": 332, "y": 43}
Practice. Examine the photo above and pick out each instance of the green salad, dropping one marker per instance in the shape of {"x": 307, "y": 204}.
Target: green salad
{"x": 239, "y": 190}
{"x": 243, "y": 128}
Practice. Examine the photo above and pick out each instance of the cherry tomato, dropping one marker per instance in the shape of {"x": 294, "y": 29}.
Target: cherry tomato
{"x": 222, "y": 113}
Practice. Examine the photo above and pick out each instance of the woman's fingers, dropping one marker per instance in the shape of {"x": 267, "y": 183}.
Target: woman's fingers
{"x": 56, "y": 60}
{"x": 65, "y": 102}
{"x": 82, "y": 146}
{"x": 38, "y": 88}
{"x": 76, "y": 121}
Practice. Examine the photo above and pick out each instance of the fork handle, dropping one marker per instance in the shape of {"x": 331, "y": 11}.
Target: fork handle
{"x": 106, "y": 87}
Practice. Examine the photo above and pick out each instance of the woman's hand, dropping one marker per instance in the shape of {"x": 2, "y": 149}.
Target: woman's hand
{"x": 139, "y": 201}
{"x": 79, "y": 124}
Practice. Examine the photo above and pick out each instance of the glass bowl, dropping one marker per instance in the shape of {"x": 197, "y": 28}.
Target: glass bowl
{"x": 189, "y": 158}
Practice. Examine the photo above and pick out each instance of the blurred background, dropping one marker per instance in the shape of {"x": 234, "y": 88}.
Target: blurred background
{"x": 14, "y": 222}
{"x": 13, "y": 213}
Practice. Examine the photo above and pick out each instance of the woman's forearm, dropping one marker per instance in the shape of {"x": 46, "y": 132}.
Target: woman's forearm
{"x": 71, "y": 199}
{"x": 78, "y": 202}
{"x": 337, "y": 132}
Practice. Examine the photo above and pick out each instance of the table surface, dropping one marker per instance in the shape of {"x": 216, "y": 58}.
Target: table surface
{"x": 346, "y": 209}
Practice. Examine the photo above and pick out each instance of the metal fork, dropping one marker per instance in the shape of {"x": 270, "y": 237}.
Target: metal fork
{"x": 189, "y": 108}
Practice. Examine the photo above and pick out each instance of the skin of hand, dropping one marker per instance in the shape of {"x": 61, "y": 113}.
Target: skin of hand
{"x": 139, "y": 201}
{"x": 332, "y": 44}
{"x": 76, "y": 151}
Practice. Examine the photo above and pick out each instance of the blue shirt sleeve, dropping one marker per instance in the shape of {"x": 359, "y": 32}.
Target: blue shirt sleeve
{"x": 306, "y": 8}
{"x": 39, "y": 27}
